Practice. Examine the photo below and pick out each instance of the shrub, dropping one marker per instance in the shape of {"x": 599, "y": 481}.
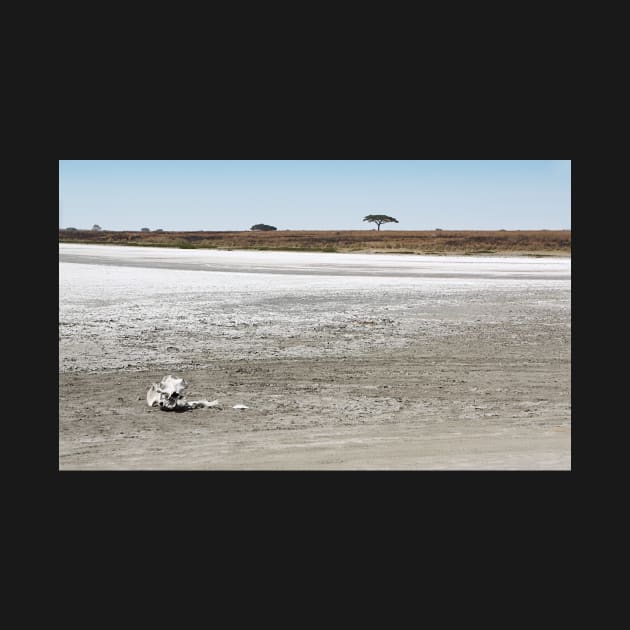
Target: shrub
{"x": 183, "y": 244}
{"x": 263, "y": 227}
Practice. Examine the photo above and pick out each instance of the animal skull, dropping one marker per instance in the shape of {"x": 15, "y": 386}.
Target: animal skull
{"x": 169, "y": 395}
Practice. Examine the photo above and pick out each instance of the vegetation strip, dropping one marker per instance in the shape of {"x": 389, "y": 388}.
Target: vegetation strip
{"x": 534, "y": 242}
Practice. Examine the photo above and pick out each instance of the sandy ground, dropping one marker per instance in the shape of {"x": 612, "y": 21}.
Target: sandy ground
{"x": 346, "y": 361}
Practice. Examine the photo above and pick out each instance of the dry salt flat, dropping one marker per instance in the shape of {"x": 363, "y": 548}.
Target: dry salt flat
{"x": 391, "y": 358}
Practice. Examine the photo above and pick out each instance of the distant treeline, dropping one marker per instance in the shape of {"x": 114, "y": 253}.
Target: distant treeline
{"x": 550, "y": 242}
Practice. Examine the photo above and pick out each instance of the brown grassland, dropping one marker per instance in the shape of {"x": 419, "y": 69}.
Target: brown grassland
{"x": 510, "y": 242}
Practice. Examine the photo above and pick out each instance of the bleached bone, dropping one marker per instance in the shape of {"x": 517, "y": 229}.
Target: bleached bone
{"x": 153, "y": 396}
{"x": 169, "y": 395}
{"x": 203, "y": 403}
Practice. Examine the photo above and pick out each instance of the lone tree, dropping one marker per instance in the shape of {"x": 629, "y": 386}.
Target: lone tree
{"x": 262, "y": 226}
{"x": 145, "y": 230}
{"x": 380, "y": 219}
{"x": 97, "y": 228}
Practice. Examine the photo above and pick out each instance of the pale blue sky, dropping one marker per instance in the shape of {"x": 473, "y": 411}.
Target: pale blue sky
{"x": 315, "y": 194}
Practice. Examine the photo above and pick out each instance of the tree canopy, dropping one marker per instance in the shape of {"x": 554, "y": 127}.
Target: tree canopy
{"x": 262, "y": 226}
{"x": 380, "y": 219}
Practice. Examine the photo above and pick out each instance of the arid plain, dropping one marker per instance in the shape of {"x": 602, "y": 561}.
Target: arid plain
{"x": 345, "y": 361}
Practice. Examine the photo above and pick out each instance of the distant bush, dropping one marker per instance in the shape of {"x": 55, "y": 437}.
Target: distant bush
{"x": 263, "y": 227}
{"x": 183, "y": 244}
{"x": 145, "y": 230}
{"x": 71, "y": 229}
{"x": 159, "y": 230}
{"x": 97, "y": 228}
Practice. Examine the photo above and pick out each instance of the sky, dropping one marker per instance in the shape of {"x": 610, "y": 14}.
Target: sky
{"x": 217, "y": 195}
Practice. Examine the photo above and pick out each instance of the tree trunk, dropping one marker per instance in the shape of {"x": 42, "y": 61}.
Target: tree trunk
{"x": 378, "y": 225}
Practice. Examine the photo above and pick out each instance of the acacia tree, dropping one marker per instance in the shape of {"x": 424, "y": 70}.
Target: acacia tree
{"x": 380, "y": 219}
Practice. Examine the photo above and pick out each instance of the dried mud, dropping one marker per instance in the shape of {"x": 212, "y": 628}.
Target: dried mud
{"x": 339, "y": 372}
